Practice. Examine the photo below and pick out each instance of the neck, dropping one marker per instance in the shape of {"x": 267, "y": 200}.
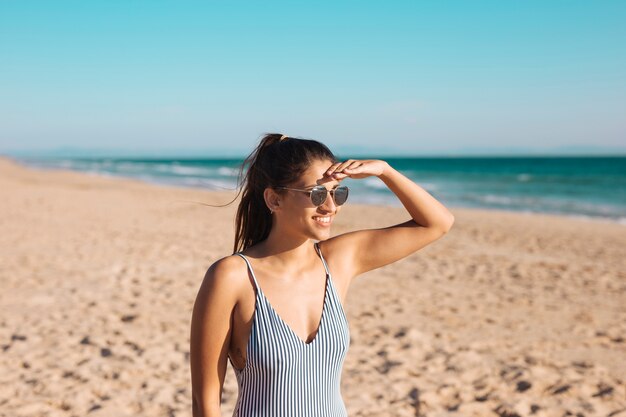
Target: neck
{"x": 287, "y": 250}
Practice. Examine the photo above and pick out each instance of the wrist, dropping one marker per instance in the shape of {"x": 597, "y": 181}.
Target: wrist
{"x": 386, "y": 169}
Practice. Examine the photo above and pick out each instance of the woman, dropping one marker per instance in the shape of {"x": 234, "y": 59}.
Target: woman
{"x": 267, "y": 308}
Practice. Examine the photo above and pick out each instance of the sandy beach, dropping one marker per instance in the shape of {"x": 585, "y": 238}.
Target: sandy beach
{"x": 507, "y": 315}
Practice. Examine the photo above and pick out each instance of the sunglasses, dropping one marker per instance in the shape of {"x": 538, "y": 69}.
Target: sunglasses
{"x": 319, "y": 193}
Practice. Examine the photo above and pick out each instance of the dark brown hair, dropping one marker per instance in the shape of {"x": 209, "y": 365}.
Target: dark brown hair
{"x": 274, "y": 162}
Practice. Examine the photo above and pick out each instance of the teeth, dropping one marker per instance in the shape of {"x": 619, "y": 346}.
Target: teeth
{"x": 323, "y": 219}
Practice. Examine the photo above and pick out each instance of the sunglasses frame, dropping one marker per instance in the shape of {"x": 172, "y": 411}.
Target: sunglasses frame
{"x": 309, "y": 191}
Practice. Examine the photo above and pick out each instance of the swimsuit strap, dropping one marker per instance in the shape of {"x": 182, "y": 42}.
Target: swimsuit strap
{"x": 256, "y": 284}
{"x": 319, "y": 251}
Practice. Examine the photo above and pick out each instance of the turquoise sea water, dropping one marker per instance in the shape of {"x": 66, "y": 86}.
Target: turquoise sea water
{"x": 592, "y": 187}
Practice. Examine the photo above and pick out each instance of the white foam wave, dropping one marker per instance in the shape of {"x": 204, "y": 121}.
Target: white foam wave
{"x": 228, "y": 171}
{"x": 212, "y": 184}
{"x": 498, "y": 199}
{"x": 183, "y": 170}
{"x": 374, "y": 183}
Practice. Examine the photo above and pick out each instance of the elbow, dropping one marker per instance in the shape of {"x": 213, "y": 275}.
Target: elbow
{"x": 196, "y": 410}
{"x": 446, "y": 225}
{"x": 201, "y": 408}
{"x": 451, "y": 223}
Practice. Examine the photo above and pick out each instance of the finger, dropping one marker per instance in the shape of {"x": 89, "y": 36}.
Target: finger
{"x": 353, "y": 167}
{"x": 344, "y": 164}
{"x": 339, "y": 176}
{"x": 332, "y": 168}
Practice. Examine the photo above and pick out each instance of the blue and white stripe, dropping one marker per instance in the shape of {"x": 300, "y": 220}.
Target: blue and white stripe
{"x": 286, "y": 377}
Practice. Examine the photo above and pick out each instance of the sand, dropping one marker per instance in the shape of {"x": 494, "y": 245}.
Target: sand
{"x": 508, "y": 314}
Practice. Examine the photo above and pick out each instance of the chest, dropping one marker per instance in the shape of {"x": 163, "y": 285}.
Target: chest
{"x": 299, "y": 303}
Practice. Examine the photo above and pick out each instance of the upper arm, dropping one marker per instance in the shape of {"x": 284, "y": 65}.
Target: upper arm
{"x": 372, "y": 248}
{"x": 210, "y": 335}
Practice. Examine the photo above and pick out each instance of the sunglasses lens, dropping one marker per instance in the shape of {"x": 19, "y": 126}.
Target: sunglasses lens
{"x": 341, "y": 195}
{"x": 318, "y": 196}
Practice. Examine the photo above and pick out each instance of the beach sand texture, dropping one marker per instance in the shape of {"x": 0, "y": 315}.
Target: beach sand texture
{"x": 507, "y": 315}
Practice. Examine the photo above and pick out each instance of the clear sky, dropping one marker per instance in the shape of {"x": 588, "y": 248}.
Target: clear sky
{"x": 414, "y": 77}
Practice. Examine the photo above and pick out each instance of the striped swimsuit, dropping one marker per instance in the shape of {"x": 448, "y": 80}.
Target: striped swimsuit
{"x": 286, "y": 377}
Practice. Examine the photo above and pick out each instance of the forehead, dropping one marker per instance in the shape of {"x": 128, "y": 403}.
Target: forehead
{"x": 314, "y": 175}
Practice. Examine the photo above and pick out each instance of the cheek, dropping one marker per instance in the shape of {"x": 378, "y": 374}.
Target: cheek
{"x": 301, "y": 203}
{"x": 298, "y": 212}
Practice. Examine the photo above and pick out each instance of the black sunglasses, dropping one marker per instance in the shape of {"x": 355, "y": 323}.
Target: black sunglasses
{"x": 319, "y": 193}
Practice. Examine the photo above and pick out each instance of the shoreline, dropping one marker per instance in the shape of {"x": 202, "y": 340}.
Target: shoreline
{"x": 586, "y": 218}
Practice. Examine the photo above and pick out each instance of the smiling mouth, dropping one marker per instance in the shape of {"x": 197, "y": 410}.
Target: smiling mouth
{"x": 323, "y": 220}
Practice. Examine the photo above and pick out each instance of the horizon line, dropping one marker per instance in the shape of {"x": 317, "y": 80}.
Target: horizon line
{"x": 181, "y": 156}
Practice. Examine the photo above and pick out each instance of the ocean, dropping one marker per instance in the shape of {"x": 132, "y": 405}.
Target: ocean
{"x": 592, "y": 187}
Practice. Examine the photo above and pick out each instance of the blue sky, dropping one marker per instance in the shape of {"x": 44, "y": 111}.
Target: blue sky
{"x": 209, "y": 78}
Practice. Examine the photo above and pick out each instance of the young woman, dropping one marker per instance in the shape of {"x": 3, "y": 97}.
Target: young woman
{"x": 274, "y": 308}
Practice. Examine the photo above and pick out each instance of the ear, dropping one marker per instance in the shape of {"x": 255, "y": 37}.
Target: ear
{"x": 272, "y": 199}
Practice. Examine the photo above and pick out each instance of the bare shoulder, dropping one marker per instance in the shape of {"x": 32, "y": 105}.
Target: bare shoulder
{"x": 338, "y": 263}
{"x": 225, "y": 278}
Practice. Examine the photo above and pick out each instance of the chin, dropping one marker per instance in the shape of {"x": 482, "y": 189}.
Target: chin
{"x": 319, "y": 234}
{"x": 323, "y": 234}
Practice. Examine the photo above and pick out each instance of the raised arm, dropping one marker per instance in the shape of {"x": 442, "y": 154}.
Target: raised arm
{"x": 372, "y": 248}
{"x": 210, "y": 337}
